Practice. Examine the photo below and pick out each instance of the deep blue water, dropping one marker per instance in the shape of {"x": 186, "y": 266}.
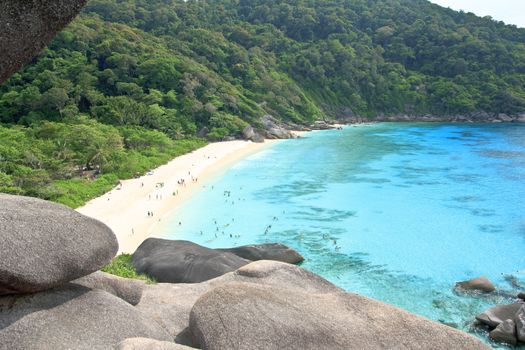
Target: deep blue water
{"x": 397, "y": 212}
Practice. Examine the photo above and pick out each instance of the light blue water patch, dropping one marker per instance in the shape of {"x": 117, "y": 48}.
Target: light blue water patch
{"x": 397, "y": 212}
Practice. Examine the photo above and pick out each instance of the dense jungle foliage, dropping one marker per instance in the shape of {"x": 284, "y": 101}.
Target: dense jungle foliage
{"x": 130, "y": 83}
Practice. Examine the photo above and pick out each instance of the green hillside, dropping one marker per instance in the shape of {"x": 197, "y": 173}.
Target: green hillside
{"x": 130, "y": 83}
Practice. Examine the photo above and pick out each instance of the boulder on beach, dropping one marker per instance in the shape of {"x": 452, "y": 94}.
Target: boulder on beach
{"x": 27, "y": 26}
{"x": 505, "y": 332}
{"x": 498, "y": 314}
{"x": 182, "y": 261}
{"x": 274, "y": 129}
{"x": 269, "y": 251}
{"x": 252, "y": 316}
{"x": 127, "y": 289}
{"x": 480, "y": 284}
{"x": 45, "y": 245}
{"x": 72, "y": 317}
{"x": 149, "y": 344}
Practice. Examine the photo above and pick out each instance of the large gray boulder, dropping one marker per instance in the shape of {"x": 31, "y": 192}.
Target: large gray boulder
{"x": 182, "y": 261}
{"x": 149, "y": 344}
{"x": 520, "y": 324}
{"x": 269, "y": 251}
{"x": 274, "y": 130}
{"x": 496, "y": 315}
{"x": 170, "y": 304}
{"x": 505, "y": 332}
{"x": 127, "y": 289}
{"x": 252, "y": 316}
{"x": 26, "y": 26}
{"x": 44, "y": 245}
{"x": 480, "y": 284}
{"x": 72, "y": 317}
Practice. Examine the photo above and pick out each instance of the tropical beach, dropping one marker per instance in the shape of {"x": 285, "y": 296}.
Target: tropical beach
{"x": 135, "y": 206}
{"x": 154, "y": 193}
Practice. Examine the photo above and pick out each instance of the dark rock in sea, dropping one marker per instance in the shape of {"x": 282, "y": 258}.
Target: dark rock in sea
{"x": 129, "y": 290}
{"x": 480, "y": 284}
{"x": 27, "y": 26}
{"x": 496, "y": 315}
{"x": 72, "y": 317}
{"x": 270, "y": 251}
{"x": 170, "y": 304}
{"x": 521, "y": 295}
{"x": 149, "y": 344}
{"x": 44, "y": 245}
{"x": 253, "y": 316}
{"x": 182, "y": 261}
{"x": 505, "y": 332}
{"x": 520, "y": 324}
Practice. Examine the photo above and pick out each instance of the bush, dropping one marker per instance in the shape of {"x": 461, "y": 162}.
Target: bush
{"x": 121, "y": 266}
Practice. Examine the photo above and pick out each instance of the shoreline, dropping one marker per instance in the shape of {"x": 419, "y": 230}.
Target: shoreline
{"x": 125, "y": 208}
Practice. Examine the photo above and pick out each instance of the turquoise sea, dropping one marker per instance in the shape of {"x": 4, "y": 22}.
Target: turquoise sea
{"x": 397, "y": 212}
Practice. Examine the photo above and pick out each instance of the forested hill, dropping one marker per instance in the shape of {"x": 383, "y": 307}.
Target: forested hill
{"x": 134, "y": 77}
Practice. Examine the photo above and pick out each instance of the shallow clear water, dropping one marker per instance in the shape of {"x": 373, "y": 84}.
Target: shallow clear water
{"x": 397, "y": 212}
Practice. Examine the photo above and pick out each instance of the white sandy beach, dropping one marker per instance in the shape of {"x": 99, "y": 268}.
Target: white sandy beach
{"x": 125, "y": 208}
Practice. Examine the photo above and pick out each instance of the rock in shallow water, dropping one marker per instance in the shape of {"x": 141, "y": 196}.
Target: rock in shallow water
{"x": 480, "y": 284}
{"x": 27, "y": 26}
{"x": 270, "y": 251}
{"x": 496, "y": 315}
{"x": 182, "y": 261}
{"x": 72, "y": 317}
{"x": 44, "y": 245}
{"x": 129, "y": 290}
{"x": 251, "y": 316}
{"x": 505, "y": 332}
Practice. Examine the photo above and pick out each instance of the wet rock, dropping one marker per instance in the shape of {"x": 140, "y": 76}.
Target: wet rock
{"x": 182, "y": 261}
{"x": 72, "y": 317}
{"x": 26, "y": 27}
{"x": 270, "y": 251}
{"x": 252, "y": 316}
{"x": 149, "y": 344}
{"x": 480, "y": 284}
{"x": 505, "y": 332}
{"x": 127, "y": 289}
{"x": 496, "y": 315}
{"x": 45, "y": 245}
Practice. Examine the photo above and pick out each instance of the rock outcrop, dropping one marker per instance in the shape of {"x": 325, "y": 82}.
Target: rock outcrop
{"x": 72, "y": 317}
{"x": 252, "y": 316}
{"x": 505, "y": 332}
{"x": 182, "y": 261}
{"x": 26, "y": 27}
{"x": 249, "y": 133}
{"x": 270, "y": 251}
{"x": 480, "y": 284}
{"x": 170, "y": 304}
{"x": 274, "y": 129}
{"x": 45, "y": 245}
{"x": 149, "y": 344}
{"x": 498, "y": 314}
{"x": 520, "y": 324}
{"x": 126, "y": 289}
